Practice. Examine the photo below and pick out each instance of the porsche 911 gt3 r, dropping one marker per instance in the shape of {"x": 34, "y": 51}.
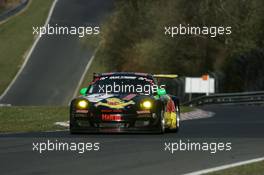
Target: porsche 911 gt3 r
{"x": 125, "y": 102}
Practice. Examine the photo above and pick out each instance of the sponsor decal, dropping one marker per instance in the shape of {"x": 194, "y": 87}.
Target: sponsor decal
{"x": 98, "y": 97}
{"x": 141, "y": 74}
{"x": 111, "y": 117}
{"x": 123, "y": 77}
{"x": 146, "y": 79}
{"x": 108, "y": 73}
{"x": 111, "y": 110}
{"x": 129, "y": 97}
{"x": 143, "y": 112}
{"x": 115, "y": 103}
{"x": 82, "y": 111}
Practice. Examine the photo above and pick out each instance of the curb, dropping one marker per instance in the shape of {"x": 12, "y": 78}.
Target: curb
{"x": 63, "y": 124}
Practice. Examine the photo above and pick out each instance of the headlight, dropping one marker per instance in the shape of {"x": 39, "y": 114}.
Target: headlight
{"x": 82, "y": 104}
{"x": 147, "y": 104}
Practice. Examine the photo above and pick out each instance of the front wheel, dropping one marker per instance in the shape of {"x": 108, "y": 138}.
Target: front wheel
{"x": 72, "y": 123}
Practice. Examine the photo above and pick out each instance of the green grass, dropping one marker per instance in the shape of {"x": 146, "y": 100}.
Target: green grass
{"x": 29, "y": 119}
{"x": 16, "y": 38}
{"x": 251, "y": 169}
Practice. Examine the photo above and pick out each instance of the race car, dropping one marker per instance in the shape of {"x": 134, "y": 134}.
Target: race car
{"x": 125, "y": 102}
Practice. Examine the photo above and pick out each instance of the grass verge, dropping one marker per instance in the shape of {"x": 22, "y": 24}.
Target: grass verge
{"x": 254, "y": 168}
{"x": 29, "y": 119}
{"x": 16, "y": 38}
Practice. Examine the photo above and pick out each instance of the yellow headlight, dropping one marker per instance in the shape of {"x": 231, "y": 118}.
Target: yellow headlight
{"x": 147, "y": 104}
{"x": 82, "y": 104}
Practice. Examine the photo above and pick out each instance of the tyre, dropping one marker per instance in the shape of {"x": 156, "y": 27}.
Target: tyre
{"x": 72, "y": 124}
{"x": 162, "y": 123}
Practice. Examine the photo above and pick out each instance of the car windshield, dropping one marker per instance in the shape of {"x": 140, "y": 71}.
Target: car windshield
{"x": 123, "y": 85}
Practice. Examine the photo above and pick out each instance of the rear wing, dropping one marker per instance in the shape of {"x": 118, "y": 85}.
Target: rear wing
{"x": 165, "y": 76}
{"x": 96, "y": 75}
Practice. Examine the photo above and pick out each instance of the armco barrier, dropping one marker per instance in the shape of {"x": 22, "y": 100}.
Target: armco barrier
{"x": 244, "y": 97}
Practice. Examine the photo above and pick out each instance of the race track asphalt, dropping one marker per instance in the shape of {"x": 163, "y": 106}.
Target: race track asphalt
{"x": 132, "y": 154}
{"x": 50, "y": 78}
{"x": 58, "y": 61}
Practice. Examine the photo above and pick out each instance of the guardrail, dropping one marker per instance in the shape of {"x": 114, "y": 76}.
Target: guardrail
{"x": 244, "y": 97}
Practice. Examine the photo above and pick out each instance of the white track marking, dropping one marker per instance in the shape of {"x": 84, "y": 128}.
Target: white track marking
{"x": 5, "y": 105}
{"x": 63, "y": 124}
{"x": 210, "y": 170}
{"x": 30, "y": 52}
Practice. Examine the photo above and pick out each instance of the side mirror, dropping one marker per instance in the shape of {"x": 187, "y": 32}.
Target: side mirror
{"x": 83, "y": 91}
{"x": 161, "y": 92}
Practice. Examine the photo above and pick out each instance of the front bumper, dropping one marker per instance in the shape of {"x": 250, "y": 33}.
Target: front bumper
{"x": 127, "y": 123}
{"x": 115, "y": 130}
